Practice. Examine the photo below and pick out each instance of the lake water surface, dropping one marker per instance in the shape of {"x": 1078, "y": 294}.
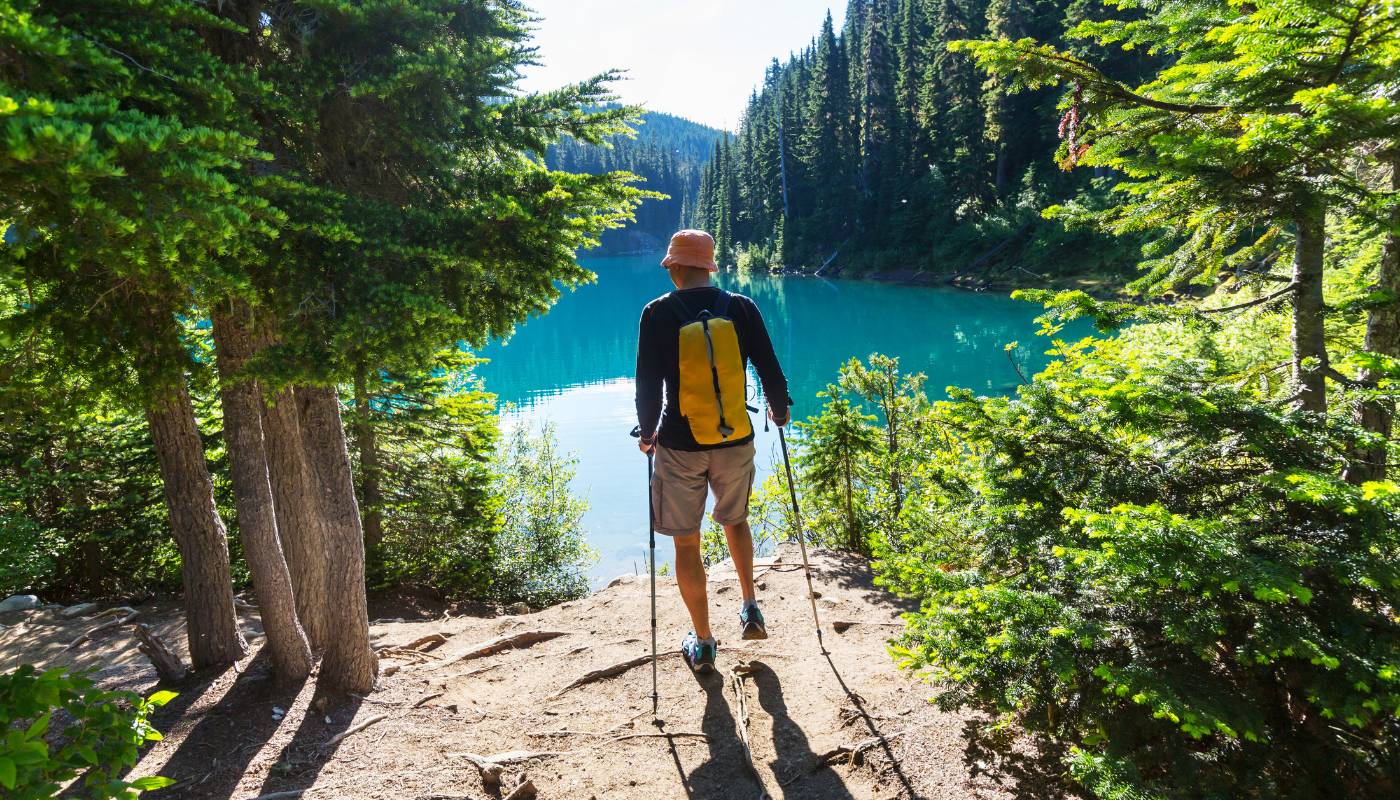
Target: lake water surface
{"x": 574, "y": 366}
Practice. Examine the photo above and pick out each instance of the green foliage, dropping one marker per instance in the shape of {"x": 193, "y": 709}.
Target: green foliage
{"x": 58, "y": 727}
{"x": 540, "y": 553}
{"x": 836, "y": 464}
{"x": 1164, "y": 572}
{"x": 1235, "y": 139}
{"x": 82, "y": 512}
{"x": 440, "y": 508}
{"x": 770, "y": 520}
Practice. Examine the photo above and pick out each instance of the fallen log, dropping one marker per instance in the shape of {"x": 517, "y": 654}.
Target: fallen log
{"x": 608, "y": 672}
{"x": 509, "y": 642}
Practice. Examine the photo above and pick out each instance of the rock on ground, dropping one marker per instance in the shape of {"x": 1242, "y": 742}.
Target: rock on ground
{"x": 19, "y": 602}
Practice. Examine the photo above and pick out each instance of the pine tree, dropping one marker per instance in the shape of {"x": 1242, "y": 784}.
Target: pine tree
{"x": 124, "y": 140}
{"x": 1261, "y": 143}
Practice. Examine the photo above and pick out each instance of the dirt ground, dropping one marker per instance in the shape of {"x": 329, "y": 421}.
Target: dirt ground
{"x": 845, "y": 724}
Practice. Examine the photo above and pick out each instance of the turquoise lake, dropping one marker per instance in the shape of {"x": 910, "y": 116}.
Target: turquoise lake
{"x": 574, "y": 366}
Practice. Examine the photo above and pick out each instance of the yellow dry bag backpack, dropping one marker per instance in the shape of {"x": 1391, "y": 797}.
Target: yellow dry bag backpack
{"x": 713, "y": 383}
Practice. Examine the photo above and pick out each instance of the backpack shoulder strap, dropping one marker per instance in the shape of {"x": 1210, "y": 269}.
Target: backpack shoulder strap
{"x": 722, "y": 303}
{"x": 678, "y": 306}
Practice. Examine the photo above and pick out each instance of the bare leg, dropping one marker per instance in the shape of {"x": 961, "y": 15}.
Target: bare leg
{"x": 740, "y": 539}
{"x": 690, "y": 577}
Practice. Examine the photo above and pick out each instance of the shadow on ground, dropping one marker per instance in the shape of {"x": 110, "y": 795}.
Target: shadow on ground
{"x": 217, "y": 750}
{"x": 1026, "y": 770}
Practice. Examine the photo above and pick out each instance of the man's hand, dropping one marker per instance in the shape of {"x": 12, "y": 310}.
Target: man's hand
{"x": 780, "y": 418}
{"x": 646, "y": 444}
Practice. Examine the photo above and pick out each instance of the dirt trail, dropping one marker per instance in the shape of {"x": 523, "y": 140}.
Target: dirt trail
{"x": 459, "y": 696}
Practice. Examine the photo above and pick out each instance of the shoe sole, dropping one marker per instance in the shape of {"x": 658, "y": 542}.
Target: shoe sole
{"x": 702, "y": 669}
{"x": 752, "y": 632}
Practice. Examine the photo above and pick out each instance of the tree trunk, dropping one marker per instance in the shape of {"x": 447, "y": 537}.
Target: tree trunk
{"x": 300, "y": 523}
{"x": 368, "y": 445}
{"x": 211, "y": 624}
{"x": 1383, "y": 337}
{"x": 1309, "y": 346}
{"x": 349, "y": 664}
{"x": 252, "y": 491}
{"x": 850, "y": 510}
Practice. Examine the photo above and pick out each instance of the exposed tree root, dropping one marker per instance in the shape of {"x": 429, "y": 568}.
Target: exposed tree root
{"x": 168, "y": 666}
{"x": 425, "y": 698}
{"x": 608, "y": 672}
{"x": 584, "y": 647}
{"x": 509, "y": 642}
{"x": 343, "y": 735}
{"x": 688, "y": 734}
{"x": 842, "y": 625}
{"x": 855, "y": 754}
{"x": 737, "y": 674}
{"x": 106, "y": 626}
{"x": 429, "y": 642}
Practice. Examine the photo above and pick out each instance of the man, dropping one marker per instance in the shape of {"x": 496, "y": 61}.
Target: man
{"x": 703, "y": 437}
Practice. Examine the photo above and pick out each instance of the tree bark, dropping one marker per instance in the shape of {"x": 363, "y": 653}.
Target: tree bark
{"x": 368, "y": 445}
{"x": 1383, "y": 337}
{"x": 211, "y": 623}
{"x": 1309, "y": 345}
{"x": 349, "y": 664}
{"x": 850, "y": 509}
{"x": 300, "y": 523}
{"x": 252, "y": 491}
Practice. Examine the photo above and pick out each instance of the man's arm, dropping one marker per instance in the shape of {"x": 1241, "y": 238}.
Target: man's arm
{"x": 765, "y": 362}
{"x": 649, "y": 376}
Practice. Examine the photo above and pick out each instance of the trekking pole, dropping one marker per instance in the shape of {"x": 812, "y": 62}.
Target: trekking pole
{"x": 651, "y": 567}
{"x": 801, "y": 538}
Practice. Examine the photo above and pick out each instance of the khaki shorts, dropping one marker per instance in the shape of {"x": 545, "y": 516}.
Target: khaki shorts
{"x": 680, "y": 481}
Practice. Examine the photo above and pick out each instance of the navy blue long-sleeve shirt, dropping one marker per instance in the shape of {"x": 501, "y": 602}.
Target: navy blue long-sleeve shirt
{"x": 658, "y": 364}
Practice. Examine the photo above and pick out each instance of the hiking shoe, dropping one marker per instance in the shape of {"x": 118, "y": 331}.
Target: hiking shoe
{"x": 751, "y": 621}
{"x": 698, "y": 655}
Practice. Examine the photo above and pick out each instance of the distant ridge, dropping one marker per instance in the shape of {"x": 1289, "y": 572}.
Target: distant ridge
{"x": 669, "y": 153}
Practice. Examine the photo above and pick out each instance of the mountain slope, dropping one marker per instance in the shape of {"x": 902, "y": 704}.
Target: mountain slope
{"x": 668, "y": 152}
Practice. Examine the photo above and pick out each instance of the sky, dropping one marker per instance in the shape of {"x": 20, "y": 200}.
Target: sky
{"x": 698, "y": 59}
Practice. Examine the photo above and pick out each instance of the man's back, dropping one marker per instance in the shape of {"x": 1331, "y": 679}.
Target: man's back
{"x": 659, "y": 360}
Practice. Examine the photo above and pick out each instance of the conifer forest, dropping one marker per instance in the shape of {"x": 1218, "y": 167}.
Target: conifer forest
{"x": 256, "y": 254}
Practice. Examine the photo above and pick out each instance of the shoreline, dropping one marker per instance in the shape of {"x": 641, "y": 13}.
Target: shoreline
{"x": 1096, "y": 285}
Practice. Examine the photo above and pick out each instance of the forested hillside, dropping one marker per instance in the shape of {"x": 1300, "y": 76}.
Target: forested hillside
{"x": 876, "y": 148}
{"x": 667, "y": 153}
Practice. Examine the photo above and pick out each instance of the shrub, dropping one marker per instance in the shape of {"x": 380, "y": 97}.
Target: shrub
{"x": 58, "y": 725}
{"x": 1164, "y": 573}
{"x": 541, "y": 555}
{"x": 770, "y": 520}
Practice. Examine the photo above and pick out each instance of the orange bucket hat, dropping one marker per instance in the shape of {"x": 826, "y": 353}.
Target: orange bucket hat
{"x": 691, "y": 248}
